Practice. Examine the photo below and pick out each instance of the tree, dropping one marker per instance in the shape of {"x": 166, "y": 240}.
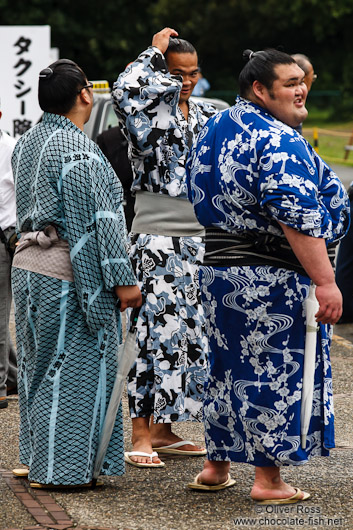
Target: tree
{"x": 103, "y": 38}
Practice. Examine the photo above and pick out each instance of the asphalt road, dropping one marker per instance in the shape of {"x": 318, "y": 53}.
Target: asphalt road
{"x": 345, "y": 173}
{"x": 158, "y": 499}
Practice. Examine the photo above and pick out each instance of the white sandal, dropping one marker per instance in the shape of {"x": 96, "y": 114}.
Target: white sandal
{"x": 173, "y": 449}
{"x": 128, "y": 454}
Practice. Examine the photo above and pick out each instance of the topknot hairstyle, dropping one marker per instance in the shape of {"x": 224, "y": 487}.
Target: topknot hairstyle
{"x": 59, "y": 85}
{"x": 260, "y": 67}
{"x": 177, "y": 45}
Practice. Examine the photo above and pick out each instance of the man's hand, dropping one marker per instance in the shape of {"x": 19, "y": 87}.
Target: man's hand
{"x": 129, "y": 296}
{"x": 330, "y": 301}
{"x": 161, "y": 39}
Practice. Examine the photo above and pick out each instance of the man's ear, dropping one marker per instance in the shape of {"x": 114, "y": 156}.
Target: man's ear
{"x": 0, "y": 114}
{"x": 85, "y": 96}
{"x": 259, "y": 90}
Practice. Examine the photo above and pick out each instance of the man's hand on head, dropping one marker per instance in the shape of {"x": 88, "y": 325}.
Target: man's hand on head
{"x": 161, "y": 39}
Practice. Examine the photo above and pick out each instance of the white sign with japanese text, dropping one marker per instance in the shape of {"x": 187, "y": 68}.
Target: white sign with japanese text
{"x": 24, "y": 52}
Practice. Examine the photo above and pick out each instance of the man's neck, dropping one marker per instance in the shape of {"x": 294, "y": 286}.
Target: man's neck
{"x": 76, "y": 119}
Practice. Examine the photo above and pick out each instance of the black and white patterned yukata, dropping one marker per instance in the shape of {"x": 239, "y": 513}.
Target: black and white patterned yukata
{"x": 167, "y": 379}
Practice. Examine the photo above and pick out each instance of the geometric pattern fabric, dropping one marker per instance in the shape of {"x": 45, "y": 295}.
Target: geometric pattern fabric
{"x": 68, "y": 332}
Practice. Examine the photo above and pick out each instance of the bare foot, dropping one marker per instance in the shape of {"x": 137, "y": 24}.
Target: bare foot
{"x": 283, "y": 491}
{"x": 214, "y": 472}
{"x": 161, "y": 435}
{"x": 141, "y": 441}
{"x": 269, "y": 485}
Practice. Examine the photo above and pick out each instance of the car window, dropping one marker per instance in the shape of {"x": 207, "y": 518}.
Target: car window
{"x": 109, "y": 118}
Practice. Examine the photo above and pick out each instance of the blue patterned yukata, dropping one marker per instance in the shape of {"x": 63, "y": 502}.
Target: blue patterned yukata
{"x": 68, "y": 332}
{"x": 248, "y": 171}
{"x": 167, "y": 379}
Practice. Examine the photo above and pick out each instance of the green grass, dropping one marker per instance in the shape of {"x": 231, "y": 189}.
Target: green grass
{"x": 331, "y": 146}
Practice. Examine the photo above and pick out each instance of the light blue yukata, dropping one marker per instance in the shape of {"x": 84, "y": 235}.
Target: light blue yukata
{"x": 248, "y": 171}
{"x": 68, "y": 332}
{"x": 167, "y": 379}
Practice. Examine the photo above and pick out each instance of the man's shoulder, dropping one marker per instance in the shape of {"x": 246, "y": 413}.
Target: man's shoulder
{"x": 205, "y": 108}
{"x": 73, "y": 139}
{"x": 69, "y": 144}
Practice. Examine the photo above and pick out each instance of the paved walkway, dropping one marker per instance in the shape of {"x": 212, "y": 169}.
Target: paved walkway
{"x": 158, "y": 499}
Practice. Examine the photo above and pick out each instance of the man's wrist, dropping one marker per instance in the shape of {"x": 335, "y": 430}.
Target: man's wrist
{"x": 156, "y": 49}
